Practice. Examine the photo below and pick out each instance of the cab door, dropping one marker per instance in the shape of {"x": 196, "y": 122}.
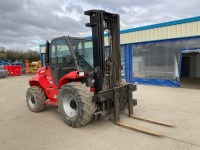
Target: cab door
{"x": 61, "y": 60}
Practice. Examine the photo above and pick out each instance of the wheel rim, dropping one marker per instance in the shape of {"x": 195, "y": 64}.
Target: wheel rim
{"x": 70, "y": 105}
{"x": 31, "y": 101}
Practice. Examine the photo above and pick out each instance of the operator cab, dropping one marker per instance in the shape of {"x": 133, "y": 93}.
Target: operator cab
{"x": 67, "y": 54}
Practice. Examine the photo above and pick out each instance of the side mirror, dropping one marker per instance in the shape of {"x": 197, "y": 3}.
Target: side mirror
{"x": 47, "y": 54}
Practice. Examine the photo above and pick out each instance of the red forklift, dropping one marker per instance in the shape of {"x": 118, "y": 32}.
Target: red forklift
{"x": 84, "y": 81}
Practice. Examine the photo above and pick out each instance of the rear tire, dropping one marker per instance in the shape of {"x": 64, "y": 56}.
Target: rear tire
{"x": 35, "y": 98}
{"x": 75, "y": 104}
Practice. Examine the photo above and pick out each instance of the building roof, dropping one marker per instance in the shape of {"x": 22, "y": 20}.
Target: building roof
{"x": 170, "y": 23}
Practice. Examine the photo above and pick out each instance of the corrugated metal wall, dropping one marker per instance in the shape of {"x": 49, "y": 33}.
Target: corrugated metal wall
{"x": 168, "y": 32}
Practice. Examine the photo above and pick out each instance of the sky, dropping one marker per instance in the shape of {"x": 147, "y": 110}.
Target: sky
{"x": 24, "y": 24}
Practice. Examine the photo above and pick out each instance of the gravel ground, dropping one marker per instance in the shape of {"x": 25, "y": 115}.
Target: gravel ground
{"x": 21, "y": 129}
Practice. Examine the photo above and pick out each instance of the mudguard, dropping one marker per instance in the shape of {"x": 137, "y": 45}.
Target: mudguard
{"x": 44, "y": 79}
{"x": 74, "y": 75}
{"x": 39, "y": 79}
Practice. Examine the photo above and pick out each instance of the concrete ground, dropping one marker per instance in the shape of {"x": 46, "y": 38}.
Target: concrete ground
{"x": 21, "y": 129}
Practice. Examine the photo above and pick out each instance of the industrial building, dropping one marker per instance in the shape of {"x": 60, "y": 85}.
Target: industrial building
{"x": 160, "y": 54}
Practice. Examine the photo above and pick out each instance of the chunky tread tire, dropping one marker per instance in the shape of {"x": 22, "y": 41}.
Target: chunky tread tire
{"x": 85, "y": 106}
{"x": 39, "y": 98}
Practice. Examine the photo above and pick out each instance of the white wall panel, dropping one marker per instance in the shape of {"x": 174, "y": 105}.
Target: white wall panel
{"x": 43, "y": 49}
{"x": 169, "y": 32}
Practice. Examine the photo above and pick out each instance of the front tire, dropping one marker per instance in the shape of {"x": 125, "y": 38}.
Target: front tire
{"x": 35, "y": 98}
{"x": 75, "y": 104}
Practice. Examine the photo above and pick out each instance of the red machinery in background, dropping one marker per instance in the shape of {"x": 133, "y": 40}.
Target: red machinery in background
{"x": 13, "y": 70}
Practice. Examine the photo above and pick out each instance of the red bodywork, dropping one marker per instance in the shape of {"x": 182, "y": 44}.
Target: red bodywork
{"x": 44, "y": 79}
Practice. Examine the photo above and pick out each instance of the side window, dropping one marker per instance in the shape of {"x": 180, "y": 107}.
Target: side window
{"x": 89, "y": 52}
{"x": 60, "y": 54}
{"x": 63, "y": 53}
{"x": 53, "y": 54}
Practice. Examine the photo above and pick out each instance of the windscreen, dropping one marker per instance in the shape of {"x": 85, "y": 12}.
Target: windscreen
{"x": 83, "y": 50}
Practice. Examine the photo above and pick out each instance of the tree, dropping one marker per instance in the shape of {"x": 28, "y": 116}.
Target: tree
{"x": 19, "y": 55}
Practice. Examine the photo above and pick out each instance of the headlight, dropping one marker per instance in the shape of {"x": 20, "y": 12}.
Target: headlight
{"x": 81, "y": 73}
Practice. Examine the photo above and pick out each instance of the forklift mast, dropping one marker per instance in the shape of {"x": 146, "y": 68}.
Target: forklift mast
{"x": 110, "y": 69}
